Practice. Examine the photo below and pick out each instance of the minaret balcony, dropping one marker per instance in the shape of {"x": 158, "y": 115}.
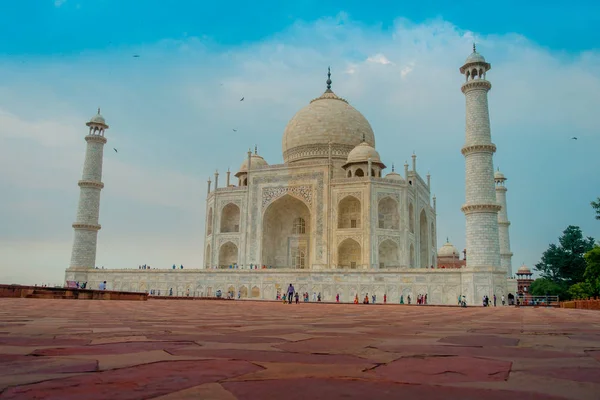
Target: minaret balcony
{"x": 90, "y": 184}
{"x": 476, "y": 84}
{"x": 479, "y": 148}
{"x": 96, "y": 139}
{"x": 480, "y": 208}
{"x": 87, "y": 227}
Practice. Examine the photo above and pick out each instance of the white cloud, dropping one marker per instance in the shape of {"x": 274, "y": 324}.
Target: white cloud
{"x": 58, "y": 3}
{"x": 172, "y": 112}
{"x": 407, "y": 69}
{"x": 379, "y": 59}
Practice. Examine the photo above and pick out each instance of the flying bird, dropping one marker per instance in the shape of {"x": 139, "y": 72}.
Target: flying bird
{"x": 115, "y": 150}
{"x": 235, "y": 130}
{"x": 574, "y": 138}
{"x": 242, "y": 99}
{"x": 136, "y": 56}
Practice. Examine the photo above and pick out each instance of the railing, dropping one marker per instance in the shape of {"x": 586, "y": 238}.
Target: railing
{"x": 230, "y": 189}
{"x": 536, "y": 301}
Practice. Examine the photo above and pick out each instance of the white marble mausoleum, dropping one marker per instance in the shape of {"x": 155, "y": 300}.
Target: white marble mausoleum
{"x": 328, "y": 220}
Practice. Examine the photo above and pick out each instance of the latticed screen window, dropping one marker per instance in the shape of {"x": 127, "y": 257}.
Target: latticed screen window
{"x": 381, "y": 265}
{"x": 352, "y": 223}
{"x": 381, "y": 224}
{"x": 353, "y": 265}
{"x": 299, "y": 226}
{"x": 298, "y": 259}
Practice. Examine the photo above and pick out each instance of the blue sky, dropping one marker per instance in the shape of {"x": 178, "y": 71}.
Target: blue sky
{"x": 172, "y": 111}
{"x": 42, "y": 27}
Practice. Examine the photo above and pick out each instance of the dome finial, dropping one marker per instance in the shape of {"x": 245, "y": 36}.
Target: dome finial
{"x": 98, "y": 110}
{"x": 392, "y": 167}
{"x": 447, "y": 241}
{"x": 255, "y": 149}
{"x": 364, "y": 138}
{"x": 329, "y": 78}
{"x": 474, "y": 48}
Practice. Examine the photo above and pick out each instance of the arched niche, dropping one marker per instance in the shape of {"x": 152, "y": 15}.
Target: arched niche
{"x": 349, "y": 213}
{"x": 286, "y": 233}
{"x": 207, "y": 257}
{"x": 423, "y": 240}
{"x": 209, "y": 221}
{"x": 388, "y": 254}
{"x": 411, "y": 218}
{"x": 230, "y": 218}
{"x": 228, "y": 255}
{"x": 412, "y": 256}
{"x": 389, "y": 217}
{"x": 349, "y": 254}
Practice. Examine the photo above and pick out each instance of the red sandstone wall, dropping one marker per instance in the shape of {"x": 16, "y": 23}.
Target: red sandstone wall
{"x": 591, "y": 304}
{"x": 67, "y": 293}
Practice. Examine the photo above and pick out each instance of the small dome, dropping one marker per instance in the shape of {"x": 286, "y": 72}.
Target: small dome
{"x": 395, "y": 176}
{"x": 362, "y": 153}
{"x": 256, "y": 161}
{"x": 524, "y": 270}
{"x": 475, "y": 57}
{"x": 98, "y": 119}
{"x": 499, "y": 175}
{"x": 448, "y": 250}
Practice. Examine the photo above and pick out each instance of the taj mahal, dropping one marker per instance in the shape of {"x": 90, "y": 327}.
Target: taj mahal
{"x": 329, "y": 220}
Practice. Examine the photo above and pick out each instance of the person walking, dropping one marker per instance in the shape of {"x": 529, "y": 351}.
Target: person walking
{"x": 502, "y": 298}
{"x": 290, "y": 293}
{"x": 297, "y": 297}
{"x": 494, "y": 300}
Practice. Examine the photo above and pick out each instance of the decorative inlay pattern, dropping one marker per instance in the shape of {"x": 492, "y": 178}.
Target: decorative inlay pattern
{"x": 229, "y": 238}
{"x": 317, "y": 151}
{"x": 395, "y": 196}
{"x": 269, "y": 194}
{"x": 341, "y": 238}
{"x": 342, "y": 195}
{"x": 383, "y": 238}
{"x": 481, "y": 208}
{"x": 224, "y": 202}
{"x": 478, "y": 148}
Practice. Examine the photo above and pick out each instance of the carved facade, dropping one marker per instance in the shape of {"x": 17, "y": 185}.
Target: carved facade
{"x": 290, "y": 217}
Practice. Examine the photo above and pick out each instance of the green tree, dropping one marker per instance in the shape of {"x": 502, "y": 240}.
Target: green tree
{"x": 592, "y": 269}
{"x": 580, "y": 291}
{"x": 564, "y": 263}
{"x": 596, "y": 207}
{"x": 545, "y": 286}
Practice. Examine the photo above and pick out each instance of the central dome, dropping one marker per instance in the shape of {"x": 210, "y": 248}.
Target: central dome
{"x": 326, "y": 118}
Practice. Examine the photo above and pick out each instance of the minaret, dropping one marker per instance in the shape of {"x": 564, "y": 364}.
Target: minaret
{"x": 481, "y": 209}
{"x": 503, "y": 224}
{"x": 87, "y": 227}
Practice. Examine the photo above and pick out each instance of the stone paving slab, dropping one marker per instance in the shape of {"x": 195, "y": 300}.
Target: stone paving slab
{"x": 167, "y": 350}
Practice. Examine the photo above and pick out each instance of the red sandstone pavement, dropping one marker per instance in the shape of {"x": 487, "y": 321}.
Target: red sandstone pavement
{"x": 70, "y": 349}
